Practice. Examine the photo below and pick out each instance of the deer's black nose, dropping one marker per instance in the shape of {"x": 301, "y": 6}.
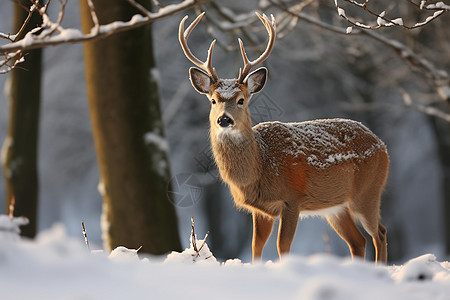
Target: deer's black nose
{"x": 224, "y": 121}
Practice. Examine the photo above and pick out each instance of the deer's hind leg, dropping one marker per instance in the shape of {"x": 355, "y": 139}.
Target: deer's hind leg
{"x": 345, "y": 226}
{"x": 370, "y": 220}
{"x": 366, "y": 207}
{"x": 378, "y": 233}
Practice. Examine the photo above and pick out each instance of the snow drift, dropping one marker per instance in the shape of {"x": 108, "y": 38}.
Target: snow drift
{"x": 55, "y": 266}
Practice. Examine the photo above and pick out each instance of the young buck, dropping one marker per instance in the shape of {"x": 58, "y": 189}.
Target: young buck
{"x": 334, "y": 168}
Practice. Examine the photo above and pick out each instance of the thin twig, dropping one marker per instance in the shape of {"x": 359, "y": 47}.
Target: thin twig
{"x": 17, "y": 57}
{"x": 204, "y": 242}
{"x": 85, "y": 235}
{"x": 139, "y": 7}
{"x": 52, "y": 26}
{"x": 193, "y": 237}
{"x": 96, "y": 27}
{"x": 27, "y": 20}
{"x": 194, "y": 240}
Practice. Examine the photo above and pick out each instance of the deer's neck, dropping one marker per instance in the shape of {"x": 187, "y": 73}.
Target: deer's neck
{"x": 237, "y": 156}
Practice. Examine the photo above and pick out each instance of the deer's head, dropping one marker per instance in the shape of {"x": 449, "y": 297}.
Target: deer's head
{"x": 228, "y": 97}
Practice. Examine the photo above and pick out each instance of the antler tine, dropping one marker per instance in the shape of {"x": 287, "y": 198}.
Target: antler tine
{"x": 209, "y": 68}
{"x": 183, "y": 35}
{"x": 248, "y": 65}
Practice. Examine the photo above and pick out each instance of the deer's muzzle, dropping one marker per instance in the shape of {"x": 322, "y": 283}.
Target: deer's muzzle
{"x": 225, "y": 121}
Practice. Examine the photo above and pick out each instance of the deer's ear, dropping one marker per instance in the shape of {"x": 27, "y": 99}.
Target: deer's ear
{"x": 200, "y": 80}
{"x": 256, "y": 80}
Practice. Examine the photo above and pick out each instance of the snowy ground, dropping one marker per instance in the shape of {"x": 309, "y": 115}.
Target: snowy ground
{"x": 56, "y": 266}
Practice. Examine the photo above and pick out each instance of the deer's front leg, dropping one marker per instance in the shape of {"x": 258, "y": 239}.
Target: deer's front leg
{"x": 286, "y": 231}
{"x": 262, "y": 228}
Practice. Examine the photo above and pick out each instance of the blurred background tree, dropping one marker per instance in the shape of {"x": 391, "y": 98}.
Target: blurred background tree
{"x": 20, "y": 147}
{"x": 123, "y": 96}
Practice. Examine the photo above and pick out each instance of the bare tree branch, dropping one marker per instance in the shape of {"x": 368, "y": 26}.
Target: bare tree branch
{"x": 383, "y": 21}
{"x": 426, "y": 109}
{"x": 86, "y": 241}
{"x": 96, "y": 27}
{"x": 10, "y": 61}
{"x": 439, "y": 78}
{"x": 52, "y": 33}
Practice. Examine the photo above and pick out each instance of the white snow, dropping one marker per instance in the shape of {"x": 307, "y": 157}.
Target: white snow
{"x": 422, "y": 3}
{"x": 157, "y": 140}
{"x": 10, "y": 227}
{"x": 424, "y": 268}
{"x": 362, "y": 25}
{"x": 135, "y": 19}
{"x": 8, "y": 143}
{"x": 70, "y": 34}
{"x": 190, "y": 256}
{"x": 394, "y": 22}
{"x": 430, "y": 18}
{"x": 123, "y": 254}
{"x": 380, "y": 20}
{"x": 398, "y": 21}
{"x": 101, "y": 188}
{"x": 436, "y": 5}
{"x": 55, "y": 266}
{"x": 105, "y": 226}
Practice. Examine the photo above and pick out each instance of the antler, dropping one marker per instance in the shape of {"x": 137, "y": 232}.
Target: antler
{"x": 183, "y": 36}
{"x": 248, "y": 65}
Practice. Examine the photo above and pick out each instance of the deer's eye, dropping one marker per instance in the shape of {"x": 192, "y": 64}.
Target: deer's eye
{"x": 213, "y": 101}
{"x": 241, "y": 101}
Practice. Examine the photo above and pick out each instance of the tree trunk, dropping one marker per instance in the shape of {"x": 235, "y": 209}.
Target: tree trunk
{"x": 19, "y": 152}
{"x": 126, "y": 121}
{"x": 442, "y": 132}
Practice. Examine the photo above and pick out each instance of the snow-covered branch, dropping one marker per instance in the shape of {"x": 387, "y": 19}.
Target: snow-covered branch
{"x": 383, "y": 21}
{"x": 51, "y": 33}
{"x": 10, "y": 61}
{"x": 438, "y": 78}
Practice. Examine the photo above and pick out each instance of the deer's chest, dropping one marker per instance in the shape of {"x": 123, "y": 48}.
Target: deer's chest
{"x": 254, "y": 198}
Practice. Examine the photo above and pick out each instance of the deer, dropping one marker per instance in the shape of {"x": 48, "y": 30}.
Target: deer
{"x": 333, "y": 168}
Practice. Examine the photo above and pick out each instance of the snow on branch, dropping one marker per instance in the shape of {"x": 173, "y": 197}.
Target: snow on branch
{"x": 383, "y": 21}
{"x": 10, "y": 61}
{"x": 51, "y": 33}
{"x": 438, "y": 78}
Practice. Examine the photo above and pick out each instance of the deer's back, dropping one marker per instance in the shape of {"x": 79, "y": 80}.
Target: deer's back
{"x": 320, "y": 143}
{"x": 325, "y": 161}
